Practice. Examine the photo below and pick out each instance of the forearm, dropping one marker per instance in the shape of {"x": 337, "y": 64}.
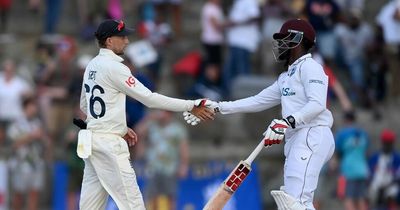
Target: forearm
{"x": 342, "y": 96}
{"x": 246, "y": 105}
{"x": 158, "y": 101}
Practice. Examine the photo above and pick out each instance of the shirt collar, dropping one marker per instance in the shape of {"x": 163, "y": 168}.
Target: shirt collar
{"x": 111, "y": 54}
{"x": 308, "y": 55}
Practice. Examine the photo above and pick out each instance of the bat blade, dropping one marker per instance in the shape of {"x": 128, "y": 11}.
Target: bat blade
{"x": 229, "y": 187}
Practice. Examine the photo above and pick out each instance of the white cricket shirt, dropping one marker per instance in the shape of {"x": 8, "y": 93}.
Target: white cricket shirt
{"x": 302, "y": 91}
{"x": 106, "y": 83}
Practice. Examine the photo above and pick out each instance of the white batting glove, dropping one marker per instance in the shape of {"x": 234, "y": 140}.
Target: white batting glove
{"x": 190, "y": 118}
{"x": 275, "y": 132}
{"x": 207, "y": 103}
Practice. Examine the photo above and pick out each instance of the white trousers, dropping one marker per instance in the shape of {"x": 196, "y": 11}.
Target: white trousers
{"x": 306, "y": 151}
{"x": 108, "y": 172}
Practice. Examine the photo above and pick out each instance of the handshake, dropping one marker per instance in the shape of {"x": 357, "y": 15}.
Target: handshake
{"x": 203, "y": 110}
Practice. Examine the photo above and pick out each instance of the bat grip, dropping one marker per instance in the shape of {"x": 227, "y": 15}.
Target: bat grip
{"x": 255, "y": 152}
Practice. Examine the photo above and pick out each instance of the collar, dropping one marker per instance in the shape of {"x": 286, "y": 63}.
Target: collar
{"x": 111, "y": 54}
{"x": 308, "y": 55}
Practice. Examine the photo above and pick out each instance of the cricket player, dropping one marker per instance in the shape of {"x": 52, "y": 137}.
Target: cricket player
{"x": 306, "y": 122}
{"x": 106, "y": 83}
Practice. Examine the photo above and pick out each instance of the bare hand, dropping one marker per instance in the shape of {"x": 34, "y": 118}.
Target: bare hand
{"x": 130, "y": 137}
{"x": 203, "y": 113}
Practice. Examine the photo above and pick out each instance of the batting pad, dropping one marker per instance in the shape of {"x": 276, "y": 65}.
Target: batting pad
{"x": 285, "y": 201}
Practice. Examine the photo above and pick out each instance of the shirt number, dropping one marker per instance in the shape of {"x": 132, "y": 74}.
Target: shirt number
{"x": 93, "y": 99}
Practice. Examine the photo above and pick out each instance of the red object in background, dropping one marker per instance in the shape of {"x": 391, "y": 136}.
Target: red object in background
{"x": 388, "y": 136}
{"x": 142, "y": 29}
{"x": 331, "y": 75}
{"x": 341, "y": 187}
{"x": 189, "y": 64}
{"x": 1, "y": 199}
{"x": 5, "y": 4}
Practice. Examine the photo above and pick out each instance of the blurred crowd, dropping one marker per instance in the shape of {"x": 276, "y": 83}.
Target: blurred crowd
{"x": 359, "y": 50}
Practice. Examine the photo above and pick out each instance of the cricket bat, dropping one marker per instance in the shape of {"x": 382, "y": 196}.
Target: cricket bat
{"x": 233, "y": 181}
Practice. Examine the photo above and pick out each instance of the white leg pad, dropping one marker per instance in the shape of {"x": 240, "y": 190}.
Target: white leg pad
{"x": 286, "y": 202}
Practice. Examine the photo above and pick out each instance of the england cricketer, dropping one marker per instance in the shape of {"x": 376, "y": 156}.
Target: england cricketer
{"x": 106, "y": 83}
{"x": 306, "y": 122}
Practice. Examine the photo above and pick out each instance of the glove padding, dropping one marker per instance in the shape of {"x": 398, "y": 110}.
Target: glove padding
{"x": 191, "y": 119}
{"x": 207, "y": 103}
{"x": 275, "y": 132}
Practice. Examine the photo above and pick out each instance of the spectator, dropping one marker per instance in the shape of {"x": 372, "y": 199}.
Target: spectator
{"x": 323, "y": 15}
{"x": 389, "y": 20}
{"x": 159, "y": 34}
{"x": 27, "y": 166}
{"x": 166, "y": 156}
{"x": 212, "y": 36}
{"x": 354, "y": 37}
{"x": 334, "y": 85}
{"x": 384, "y": 164}
{"x": 377, "y": 68}
{"x": 351, "y": 147}
{"x": 242, "y": 38}
{"x": 164, "y": 8}
{"x": 12, "y": 89}
{"x": 54, "y": 80}
{"x": 209, "y": 85}
{"x": 351, "y": 4}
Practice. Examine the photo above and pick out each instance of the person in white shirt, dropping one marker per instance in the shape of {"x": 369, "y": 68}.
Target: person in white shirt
{"x": 106, "y": 83}
{"x": 306, "y": 122}
{"x": 12, "y": 89}
{"x": 243, "y": 36}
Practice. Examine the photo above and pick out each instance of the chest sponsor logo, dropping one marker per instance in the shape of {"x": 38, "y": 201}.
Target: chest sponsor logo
{"x": 288, "y": 92}
{"x": 130, "y": 81}
{"x": 92, "y": 75}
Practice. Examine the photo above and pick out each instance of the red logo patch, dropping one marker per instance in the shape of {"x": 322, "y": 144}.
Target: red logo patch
{"x": 130, "y": 81}
{"x": 121, "y": 25}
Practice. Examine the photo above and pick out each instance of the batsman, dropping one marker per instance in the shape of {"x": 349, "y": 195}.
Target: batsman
{"x": 306, "y": 122}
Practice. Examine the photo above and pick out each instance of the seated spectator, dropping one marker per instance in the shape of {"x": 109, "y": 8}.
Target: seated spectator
{"x": 384, "y": 164}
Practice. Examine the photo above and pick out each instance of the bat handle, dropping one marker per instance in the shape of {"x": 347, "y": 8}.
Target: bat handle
{"x": 255, "y": 152}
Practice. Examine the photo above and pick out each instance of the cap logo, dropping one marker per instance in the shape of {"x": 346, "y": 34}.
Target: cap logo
{"x": 121, "y": 25}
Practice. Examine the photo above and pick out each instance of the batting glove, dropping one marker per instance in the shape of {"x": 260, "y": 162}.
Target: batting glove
{"x": 207, "y": 103}
{"x": 275, "y": 132}
{"x": 190, "y": 118}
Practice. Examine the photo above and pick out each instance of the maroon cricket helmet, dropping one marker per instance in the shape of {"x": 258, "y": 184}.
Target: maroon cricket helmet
{"x": 296, "y": 26}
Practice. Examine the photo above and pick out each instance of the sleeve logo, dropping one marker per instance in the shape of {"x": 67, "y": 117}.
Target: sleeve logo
{"x": 316, "y": 81}
{"x": 130, "y": 81}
